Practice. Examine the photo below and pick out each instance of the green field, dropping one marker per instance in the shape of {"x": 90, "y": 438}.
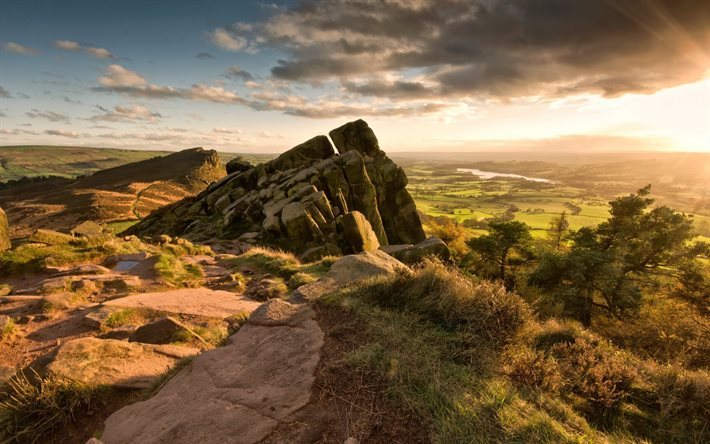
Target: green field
{"x": 440, "y": 191}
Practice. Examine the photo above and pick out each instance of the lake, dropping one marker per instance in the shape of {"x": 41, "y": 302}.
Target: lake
{"x": 490, "y": 175}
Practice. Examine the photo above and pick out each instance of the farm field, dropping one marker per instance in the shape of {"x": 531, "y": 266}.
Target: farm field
{"x": 441, "y": 191}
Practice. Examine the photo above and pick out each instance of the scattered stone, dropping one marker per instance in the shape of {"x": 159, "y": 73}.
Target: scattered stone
{"x": 191, "y": 301}
{"x": 97, "y": 318}
{"x": 267, "y": 288}
{"x": 163, "y": 331}
{"x": 5, "y": 243}
{"x": 262, "y": 378}
{"x": 122, "y": 332}
{"x": 87, "y": 229}
{"x": 50, "y": 237}
{"x": 350, "y": 440}
{"x": 86, "y": 269}
{"x": 115, "y": 363}
{"x": 59, "y": 301}
{"x": 412, "y": 254}
{"x": 358, "y": 232}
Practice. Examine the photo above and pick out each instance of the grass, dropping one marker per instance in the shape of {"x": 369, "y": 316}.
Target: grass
{"x": 283, "y": 264}
{"x": 8, "y": 330}
{"x": 173, "y": 271}
{"x": 130, "y": 316}
{"x": 472, "y": 364}
{"x": 34, "y": 407}
{"x": 58, "y": 250}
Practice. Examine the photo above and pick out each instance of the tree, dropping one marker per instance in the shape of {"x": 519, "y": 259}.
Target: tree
{"x": 505, "y": 238}
{"x": 559, "y": 229}
{"x": 608, "y": 266}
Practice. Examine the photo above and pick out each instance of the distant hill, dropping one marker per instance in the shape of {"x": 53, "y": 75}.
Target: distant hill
{"x": 31, "y": 161}
{"x": 17, "y": 162}
{"x": 123, "y": 193}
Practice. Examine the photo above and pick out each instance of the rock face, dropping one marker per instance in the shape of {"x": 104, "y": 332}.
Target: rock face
{"x": 4, "y": 232}
{"x": 300, "y": 201}
{"x": 117, "y": 363}
{"x": 239, "y": 393}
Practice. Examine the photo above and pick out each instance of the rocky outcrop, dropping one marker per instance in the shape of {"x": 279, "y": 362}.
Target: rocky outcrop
{"x": 305, "y": 200}
{"x": 5, "y": 243}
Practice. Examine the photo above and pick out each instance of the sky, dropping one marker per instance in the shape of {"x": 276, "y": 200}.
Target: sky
{"x": 427, "y": 75}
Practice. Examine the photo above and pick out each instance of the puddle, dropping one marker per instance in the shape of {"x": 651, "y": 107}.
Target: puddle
{"x": 125, "y": 265}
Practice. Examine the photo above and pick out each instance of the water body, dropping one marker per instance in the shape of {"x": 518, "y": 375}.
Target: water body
{"x": 490, "y": 175}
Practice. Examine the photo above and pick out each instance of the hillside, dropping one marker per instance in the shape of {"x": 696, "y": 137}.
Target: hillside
{"x": 123, "y": 193}
{"x": 17, "y": 162}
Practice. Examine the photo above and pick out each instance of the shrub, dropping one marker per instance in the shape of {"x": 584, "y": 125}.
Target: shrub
{"x": 532, "y": 368}
{"x": 601, "y": 378}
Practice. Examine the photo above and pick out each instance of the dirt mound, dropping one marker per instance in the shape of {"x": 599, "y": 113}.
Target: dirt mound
{"x": 123, "y": 193}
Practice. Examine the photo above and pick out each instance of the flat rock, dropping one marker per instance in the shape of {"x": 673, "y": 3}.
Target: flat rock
{"x": 348, "y": 270}
{"x": 191, "y": 301}
{"x": 239, "y": 393}
{"x": 116, "y": 363}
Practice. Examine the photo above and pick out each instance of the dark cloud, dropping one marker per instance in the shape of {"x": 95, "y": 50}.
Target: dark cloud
{"x": 204, "y": 56}
{"x": 489, "y": 48}
{"x": 235, "y": 72}
{"x": 5, "y": 93}
{"x": 49, "y": 115}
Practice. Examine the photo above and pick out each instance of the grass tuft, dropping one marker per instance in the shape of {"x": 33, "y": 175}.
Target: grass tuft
{"x": 34, "y": 407}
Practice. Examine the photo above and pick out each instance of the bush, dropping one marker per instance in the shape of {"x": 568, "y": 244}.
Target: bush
{"x": 532, "y": 368}
{"x": 599, "y": 377}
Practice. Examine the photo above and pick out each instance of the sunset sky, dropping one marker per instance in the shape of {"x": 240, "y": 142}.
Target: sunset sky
{"x": 428, "y": 75}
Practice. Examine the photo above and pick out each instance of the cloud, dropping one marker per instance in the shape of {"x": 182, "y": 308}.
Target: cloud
{"x": 2, "y": 114}
{"x": 49, "y": 115}
{"x": 225, "y": 40}
{"x": 118, "y": 79}
{"x": 236, "y": 72}
{"x": 116, "y": 76}
{"x": 63, "y": 133}
{"x": 204, "y": 56}
{"x": 226, "y": 131}
{"x": 5, "y": 93}
{"x": 134, "y": 113}
{"x": 69, "y": 45}
{"x": 486, "y": 49}
{"x": 20, "y": 49}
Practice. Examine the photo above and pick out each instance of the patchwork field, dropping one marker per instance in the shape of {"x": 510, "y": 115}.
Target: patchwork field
{"x": 440, "y": 190}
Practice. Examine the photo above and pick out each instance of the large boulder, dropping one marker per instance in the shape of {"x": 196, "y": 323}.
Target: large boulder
{"x": 115, "y": 363}
{"x": 358, "y": 232}
{"x": 5, "y": 243}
